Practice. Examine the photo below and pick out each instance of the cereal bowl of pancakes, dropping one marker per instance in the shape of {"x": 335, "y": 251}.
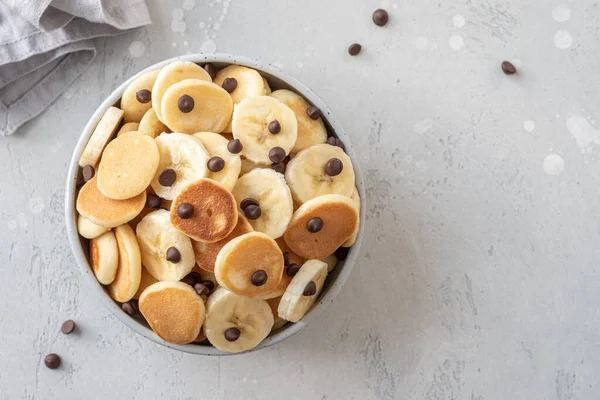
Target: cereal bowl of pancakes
{"x": 214, "y": 204}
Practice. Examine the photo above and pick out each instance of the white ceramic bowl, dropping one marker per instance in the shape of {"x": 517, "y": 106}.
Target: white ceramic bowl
{"x": 277, "y": 80}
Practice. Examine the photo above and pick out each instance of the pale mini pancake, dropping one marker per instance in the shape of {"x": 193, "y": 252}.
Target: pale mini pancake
{"x": 104, "y": 257}
{"x": 356, "y": 199}
{"x": 243, "y": 260}
{"x": 105, "y": 130}
{"x": 209, "y": 107}
{"x": 201, "y": 336}
{"x": 339, "y": 217}
{"x": 129, "y": 271}
{"x": 151, "y": 126}
{"x": 285, "y": 278}
{"x": 279, "y": 322}
{"x": 216, "y": 145}
{"x": 128, "y": 127}
{"x": 128, "y": 165}
{"x": 173, "y": 310}
{"x": 206, "y": 253}
{"x": 146, "y": 280}
{"x": 101, "y": 210}
{"x": 215, "y": 212}
{"x": 137, "y": 98}
{"x": 88, "y": 229}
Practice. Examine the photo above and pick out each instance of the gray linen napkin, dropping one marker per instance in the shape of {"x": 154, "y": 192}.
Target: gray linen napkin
{"x": 46, "y": 44}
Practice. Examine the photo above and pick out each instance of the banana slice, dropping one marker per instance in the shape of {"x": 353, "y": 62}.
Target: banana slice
{"x": 311, "y": 173}
{"x": 303, "y": 291}
{"x": 267, "y": 87}
{"x": 128, "y": 127}
{"x": 310, "y": 131}
{"x": 105, "y": 130}
{"x": 88, "y": 229}
{"x": 331, "y": 261}
{"x": 271, "y": 192}
{"x": 104, "y": 257}
{"x": 167, "y": 253}
{"x": 216, "y": 145}
{"x": 356, "y": 199}
{"x": 236, "y": 323}
{"x": 151, "y": 126}
{"x": 186, "y": 156}
{"x": 137, "y": 98}
{"x": 129, "y": 272}
{"x": 175, "y": 72}
{"x": 251, "y": 120}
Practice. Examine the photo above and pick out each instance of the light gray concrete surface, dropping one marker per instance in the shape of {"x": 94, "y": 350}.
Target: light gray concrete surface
{"x": 478, "y": 277}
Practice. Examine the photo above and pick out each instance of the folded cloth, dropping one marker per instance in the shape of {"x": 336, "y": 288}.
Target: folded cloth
{"x": 46, "y": 44}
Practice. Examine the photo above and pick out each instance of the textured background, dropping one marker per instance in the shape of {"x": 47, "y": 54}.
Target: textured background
{"x": 478, "y": 277}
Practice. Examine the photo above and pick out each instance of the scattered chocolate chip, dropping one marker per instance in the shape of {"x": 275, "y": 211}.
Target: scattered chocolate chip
{"x": 274, "y": 127}
{"x": 52, "y": 361}
{"x": 143, "y": 96}
{"x": 201, "y": 289}
{"x": 380, "y": 17}
{"x": 128, "y": 308}
{"x": 235, "y": 146}
{"x": 209, "y": 284}
{"x": 292, "y": 269}
{"x": 215, "y": 164}
{"x": 310, "y": 289}
{"x": 232, "y": 334}
{"x": 336, "y": 142}
{"x": 259, "y": 278}
{"x": 185, "y": 103}
{"x": 167, "y": 177}
{"x": 314, "y": 225}
{"x": 212, "y": 71}
{"x": 286, "y": 258}
{"x": 185, "y": 210}
{"x": 230, "y": 84}
{"x": 276, "y": 154}
{"x": 189, "y": 280}
{"x": 279, "y": 167}
{"x": 152, "y": 201}
{"x": 252, "y": 212}
{"x": 88, "y": 172}
{"x": 68, "y": 326}
{"x": 354, "y": 49}
{"x": 508, "y": 68}
{"x": 248, "y": 201}
{"x": 341, "y": 253}
{"x": 313, "y": 112}
{"x": 173, "y": 255}
{"x": 334, "y": 167}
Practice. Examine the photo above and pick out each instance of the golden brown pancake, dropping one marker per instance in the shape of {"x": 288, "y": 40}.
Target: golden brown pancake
{"x": 129, "y": 271}
{"x": 285, "y": 279}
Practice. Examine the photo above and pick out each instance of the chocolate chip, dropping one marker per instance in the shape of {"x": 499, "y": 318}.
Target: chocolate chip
{"x": 314, "y": 225}
{"x": 196, "y": 276}
{"x": 334, "y": 167}
{"x": 212, "y": 71}
{"x": 152, "y": 201}
{"x": 190, "y": 280}
{"x": 259, "y": 278}
{"x": 252, "y": 212}
{"x": 88, "y": 172}
{"x": 136, "y": 305}
{"x": 68, "y": 326}
{"x": 209, "y": 284}
{"x": 274, "y": 127}
{"x": 292, "y": 269}
{"x": 276, "y": 154}
{"x": 313, "y": 112}
{"x": 173, "y": 255}
{"x": 279, "y": 167}
{"x": 232, "y": 334}
{"x": 128, "y": 308}
{"x": 248, "y": 201}
{"x": 508, "y": 68}
{"x": 354, "y": 49}
{"x": 286, "y": 258}
{"x": 201, "y": 289}
{"x": 185, "y": 103}
{"x": 185, "y": 210}
{"x": 341, "y": 253}
{"x": 310, "y": 289}
{"x": 143, "y": 96}
{"x": 336, "y": 142}
{"x": 167, "y": 177}
{"x": 229, "y": 84}
{"x": 52, "y": 361}
{"x": 380, "y": 17}
{"x": 215, "y": 164}
{"x": 235, "y": 146}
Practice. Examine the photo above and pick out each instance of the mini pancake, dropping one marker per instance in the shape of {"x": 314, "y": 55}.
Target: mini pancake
{"x": 146, "y": 280}
{"x": 105, "y": 130}
{"x": 128, "y": 127}
{"x": 285, "y": 278}
{"x": 137, "y": 98}
{"x": 88, "y": 229}
{"x": 356, "y": 199}
{"x": 151, "y": 126}
{"x": 129, "y": 272}
{"x": 104, "y": 257}
{"x": 279, "y": 322}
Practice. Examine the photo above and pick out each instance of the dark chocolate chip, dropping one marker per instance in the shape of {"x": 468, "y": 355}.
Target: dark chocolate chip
{"x": 52, "y": 361}
{"x": 196, "y": 276}
{"x": 185, "y": 210}
{"x": 334, "y": 167}
{"x": 313, "y": 112}
{"x": 152, "y": 201}
{"x": 68, "y": 326}
{"x": 310, "y": 289}
{"x": 252, "y": 212}
{"x": 128, "y": 308}
{"x": 286, "y": 258}
{"x": 136, "y": 305}
{"x": 248, "y": 201}
{"x": 508, "y": 68}
{"x": 235, "y": 146}
{"x": 88, "y": 172}
{"x": 230, "y": 84}
{"x": 209, "y": 284}
{"x": 274, "y": 127}
{"x": 232, "y": 334}
{"x": 143, "y": 96}
{"x": 341, "y": 253}
{"x": 201, "y": 289}
{"x": 314, "y": 225}
{"x": 336, "y": 142}
{"x": 279, "y": 167}
{"x": 215, "y": 164}
{"x": 354, "y": 49}
{"x": 292, "y": 269}
{"x": 185, "y": 103}
{"x": 276, "y": 154}
{"x": 380, "y": 17}
{"x": 189, "y": 280}
{"x": 212, "y": 71}
{"x": 173, "y": 255}
{"x": 259, "y": 278}
{"x": 167, "y": 177}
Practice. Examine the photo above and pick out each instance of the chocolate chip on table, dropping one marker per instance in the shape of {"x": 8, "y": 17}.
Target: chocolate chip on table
{"x": 248, "y": 201}
{"x": 167, "y": 177}
{"x": 310, "y": 289}
{"x": 129, "y": 308}
{"x": 185, "y": 210}
{"x": 286, "y": 258}
{"x": 278, "y": 167}
{"x": 68, "y": 326}
{"x": 274, "y": 127}
{"x": 334, "y": 167}
{"x": 173, "y": 255}
{"x": 152, "y": 201}
{"x": 190, "y": 280}
{"x": 508, "y": 68}
{"x": 212, "y": 71}
{"x": 314, "y": 225}
{"x": 52, "y": 361}
{"x": 380, "y": 17}
{"x": 336, "y": 142}
{"x": 292, "y": 269}
{"x": 341, "y": 253}
{"x": 201, "y": 289}
{"x": 215, "y": 164}
{"x": 88, "y": 172}
{"x": 235, "y": 146}
{"x": 259, "y": 278}
{"x": 209, "y": 284}
{"x": 354, "y": 49}
{"x": 185, "y": 103}
{"x": 252, "y": 212}
{"x": 230, "y": 84}
{"x": 232, "y": 334}
{"x": 276, "y": 154}
{"x": 313, "y": 112}
{"x": 143, "y": 96}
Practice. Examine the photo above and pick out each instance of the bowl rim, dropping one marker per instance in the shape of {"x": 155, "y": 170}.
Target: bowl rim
{"x": 71, "y": 214}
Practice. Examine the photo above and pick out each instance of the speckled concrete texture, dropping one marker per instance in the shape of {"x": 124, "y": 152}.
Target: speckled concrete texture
{"x": 478, "y": 277}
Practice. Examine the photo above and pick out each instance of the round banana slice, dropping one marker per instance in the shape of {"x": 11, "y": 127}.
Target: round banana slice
{"x": 194, "y": 105}
{"x": 167, "y": 253}
{"x": 183, "y": 160}
{"x": 104, "y": 257}
{"x": 228, "y": 172}
{"x": 175, "y": 72}
{"x": 105, "y": 130}
{"x": 318, "y": 170}
{"x": 303, "y": 291}
{"x": 128, "y": 127}
{"x": 145, "y": 281}
{"x": 129, "y": 272}
{"x": 331, "y": 261}
{"x": 151, "y": 126}
{"x": 174, "y": 311}
{"x": 88, "y": 229}
{"x": 291, "y": 265}
{"x": 236, "y": 323}
{"x": 352, "y": 239}
{"x": 273, "y": 197}
{"x": 310, "y": 131}
{"x": 137, "y": 98}
{"x": 251, "y": 121}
